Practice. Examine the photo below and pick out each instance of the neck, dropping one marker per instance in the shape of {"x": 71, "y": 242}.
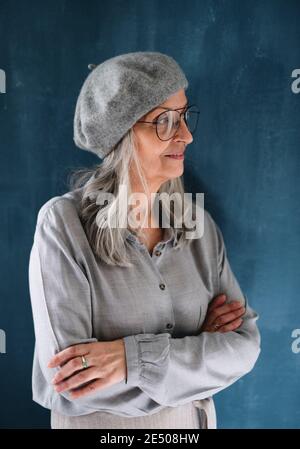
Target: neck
{"x": 145, "y": 214}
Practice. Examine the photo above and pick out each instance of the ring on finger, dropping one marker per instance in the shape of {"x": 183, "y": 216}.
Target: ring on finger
{"x": 84, "y": 362}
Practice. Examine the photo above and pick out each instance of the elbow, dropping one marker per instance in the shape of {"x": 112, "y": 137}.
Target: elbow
{"x": 249, "y": 350}
{"x": 251, "y": 355}
{"x": 253, "y": 359}
{"x": 250, "y": 347}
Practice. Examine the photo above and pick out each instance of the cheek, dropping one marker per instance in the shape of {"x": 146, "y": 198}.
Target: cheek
{"x": 151, "y": 150}
{"x": 152, "y": 155}
{"x": 161, "y": 150}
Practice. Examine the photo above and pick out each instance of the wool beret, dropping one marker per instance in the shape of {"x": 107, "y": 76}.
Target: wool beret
{"x": 118, "y": 92}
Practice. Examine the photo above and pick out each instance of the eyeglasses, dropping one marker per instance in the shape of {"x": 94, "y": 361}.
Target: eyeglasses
{"x": 168, "y": 122}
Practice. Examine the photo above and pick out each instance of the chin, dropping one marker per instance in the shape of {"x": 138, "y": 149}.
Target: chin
{"x": 175, "y": 174}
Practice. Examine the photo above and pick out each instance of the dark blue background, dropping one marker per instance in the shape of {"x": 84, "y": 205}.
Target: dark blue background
{"x": 238, "y": 57}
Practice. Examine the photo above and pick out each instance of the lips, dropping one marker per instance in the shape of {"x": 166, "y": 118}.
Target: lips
{"x": 177, "y": 156}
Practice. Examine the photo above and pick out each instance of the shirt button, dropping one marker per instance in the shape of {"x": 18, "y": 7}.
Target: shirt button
{"x": 162, "y": 286}
{"x": 169, "y": 326}
{"x": 157, "y": 253}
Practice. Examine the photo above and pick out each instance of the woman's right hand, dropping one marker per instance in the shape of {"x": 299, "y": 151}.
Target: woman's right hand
{"x": 221, "y": 317}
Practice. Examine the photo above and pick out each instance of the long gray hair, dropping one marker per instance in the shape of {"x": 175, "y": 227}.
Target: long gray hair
{"x": 110, "y": 244}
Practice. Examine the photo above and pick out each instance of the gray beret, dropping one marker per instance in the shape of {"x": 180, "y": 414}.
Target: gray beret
{"x": 118, "y": 92}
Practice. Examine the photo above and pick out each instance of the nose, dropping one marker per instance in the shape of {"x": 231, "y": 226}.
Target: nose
{"x": 183, "y": 133}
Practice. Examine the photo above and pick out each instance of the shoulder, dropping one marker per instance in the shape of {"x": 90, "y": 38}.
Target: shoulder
{"x": 210, "y": 226}
{"x": 210, "y": 239}
{"x": 61, "y": 213}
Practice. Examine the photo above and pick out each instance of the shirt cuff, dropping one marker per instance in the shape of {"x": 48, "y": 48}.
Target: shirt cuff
{"x": 132, "y": 360}
{"x": 146, "y": 358}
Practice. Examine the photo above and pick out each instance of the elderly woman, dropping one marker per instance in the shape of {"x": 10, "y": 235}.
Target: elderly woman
{"x": 136, "y": 325}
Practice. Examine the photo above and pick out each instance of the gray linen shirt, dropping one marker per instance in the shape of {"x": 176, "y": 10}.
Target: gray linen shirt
{"x": 157, "y": 307}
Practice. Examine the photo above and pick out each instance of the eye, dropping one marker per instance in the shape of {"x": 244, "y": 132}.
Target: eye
{"x": 163, "y": 119}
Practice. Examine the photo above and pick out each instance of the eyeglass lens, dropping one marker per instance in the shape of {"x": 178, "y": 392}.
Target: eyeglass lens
{"x": 168, "y": 122}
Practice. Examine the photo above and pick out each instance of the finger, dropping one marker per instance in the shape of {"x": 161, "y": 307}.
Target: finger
{"x": 231, "y": 326}
{"x": 228, "y": 317}
{"x": 218, "y": 301}
{"x": 77, "y": 379}
{"x": 213, "y": 315}
{"x": 218, "y": 311}
{"x": 98, "y": 384}
{"x": 232, "y": 304}
{"x": 69, "y": 353}
{"x": 70, "y": 368}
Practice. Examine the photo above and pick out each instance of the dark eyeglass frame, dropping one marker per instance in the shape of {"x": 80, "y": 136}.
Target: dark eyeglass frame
{"x": 154, "y": 121}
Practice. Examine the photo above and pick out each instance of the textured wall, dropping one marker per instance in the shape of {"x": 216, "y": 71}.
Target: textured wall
{"x": 238, "y": 57}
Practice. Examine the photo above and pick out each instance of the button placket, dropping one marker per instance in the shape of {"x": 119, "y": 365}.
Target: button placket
{"x": 159, "y": 249}
{"x": 162, "y": 285}
{"x": 169, "y": 325}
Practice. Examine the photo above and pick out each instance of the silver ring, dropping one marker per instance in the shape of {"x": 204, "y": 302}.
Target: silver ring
{"x": 84, "y": 362}
{"x": 216, "y": 326}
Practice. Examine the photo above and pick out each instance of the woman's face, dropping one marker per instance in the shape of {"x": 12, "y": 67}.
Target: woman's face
{"x": 152, "y": 151}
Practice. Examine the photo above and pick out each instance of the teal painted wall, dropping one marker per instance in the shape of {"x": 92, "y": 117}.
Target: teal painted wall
{"x": 238, "y": 57}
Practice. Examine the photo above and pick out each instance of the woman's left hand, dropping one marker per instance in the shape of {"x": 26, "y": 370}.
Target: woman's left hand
{"x": 106, "y": 362}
